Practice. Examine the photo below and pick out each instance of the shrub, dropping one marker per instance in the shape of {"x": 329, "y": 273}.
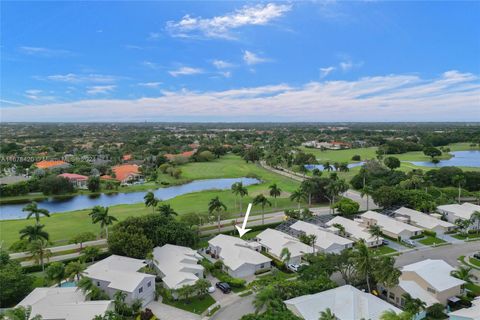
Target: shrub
{"x": 429, "y": 233}
{"x": 418, "y": 236}
{"x": 356, "y": 158}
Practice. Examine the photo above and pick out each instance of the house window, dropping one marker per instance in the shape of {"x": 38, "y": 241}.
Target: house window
{"x": 262, "y": 266}
{"x": 391, "y": 296}
{"x": 140, "y": 290}
{"x": 431, "y": 290}
{"x": 98, "y": 283}
{"x": 149, "y": 284}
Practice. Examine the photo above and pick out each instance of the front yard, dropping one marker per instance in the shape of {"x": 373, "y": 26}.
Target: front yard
{"x": 380, "y": 251}
{"x": 431, "y": 240}
{"x": 196, "y": 305}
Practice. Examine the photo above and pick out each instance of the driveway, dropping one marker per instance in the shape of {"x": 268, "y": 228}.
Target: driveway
{"x": 166, "y": 312}
{"x": 234, "y": 311}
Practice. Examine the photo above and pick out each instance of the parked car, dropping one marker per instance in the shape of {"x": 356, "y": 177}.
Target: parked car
{"x": 211, "y": 289}
{"x": 477, "y": 255}
{"x": 410, "y": 242}
{"x": 385, "y": 242}
{"x": 293, "y": 267}
{"x": 224, "y": 287}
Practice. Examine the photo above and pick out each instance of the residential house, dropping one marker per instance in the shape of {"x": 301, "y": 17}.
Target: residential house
{"x": 240, "y": 258}
{"x": 326, "y": 240}
{"x": 127, "y": 173}
{"x": 52, "y": 164}
{"x": 354, "y": 230}
{"x": 78, "y": 180}
{"x": 345, "y": 302}
{"x": 66, "y": 303}
{"x": 472, "y": 313}
{"x": 274, "y": 241}
{"x": 428, "y": 280}
{"x": 12, "y": 179}
{"x": 390, "y": 227}
{"x": 178, "y": 266}
{"x": 424, "y": 221}
{"x": 462, "y": 211}
{"x": 117, "y": 273}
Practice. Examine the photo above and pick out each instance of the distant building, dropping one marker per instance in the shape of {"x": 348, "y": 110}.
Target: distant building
{"x": 52, "y": 164}
{"x": 78, "y": 180}
{"x": 326, "y": 240}
{"x": 356, "y": 231}
{"x": 332, "y": 145}
{"x": 424, "y": 220}
{"x": 462, "y": 211}
{"x": 66, "y": 303}
{"x": 12, "y": 180}
{"x": 345, "y": 302}
{"x": 390, "y": 227}
{"x": 240, "y": 258}
{"x": 117, "y": 273}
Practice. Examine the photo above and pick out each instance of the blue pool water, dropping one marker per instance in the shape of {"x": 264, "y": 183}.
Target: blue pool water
{"x": 14, "y": 211}
{"x": 67, "y": 284}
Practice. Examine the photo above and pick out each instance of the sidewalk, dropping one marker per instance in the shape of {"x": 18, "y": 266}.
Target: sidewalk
{"x": 20, "y": 255}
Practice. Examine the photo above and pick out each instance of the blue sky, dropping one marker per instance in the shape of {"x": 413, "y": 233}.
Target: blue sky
{"x": 240, "y": 61}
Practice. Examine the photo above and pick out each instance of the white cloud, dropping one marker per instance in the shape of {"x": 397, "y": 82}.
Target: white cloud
{"x": 185, "y": 71}
{"x": 15, "y": 103}
{"x": 37, "y": 94}
{"x": 452, "y": 96}
{"x": 251, "y": 58}
{"x": 80, "y": 78}
{"x": 221, "y": 26}
{"x": 326, "y": 71}
{"x": 347, "y": 65}
{"x": 150, "y": 84}
{"x": 93, "y": 90}
{"x": 44, "y": 52}
{"x": 221, "y": 64}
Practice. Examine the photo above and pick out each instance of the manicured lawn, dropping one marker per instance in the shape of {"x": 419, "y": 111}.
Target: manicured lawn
{"x": 383, "y": 250}
{"x": 429, "y": 240}
{"x": 469, "y": 236}
{"x": 475, "y": 288}
{"x": 341, "y": 155}
{"x": 196, "y": 305}
{"x": 475, "y": 262}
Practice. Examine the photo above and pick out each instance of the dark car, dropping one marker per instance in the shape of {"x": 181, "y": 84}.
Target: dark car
{"x": 477, "y": 255}
{"x": 223, "y": 286}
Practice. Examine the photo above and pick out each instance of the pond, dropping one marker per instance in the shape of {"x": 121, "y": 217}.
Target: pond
{"x": 320, "y": 167}
{"x": 14, "y": 211}
{"x": 460, "y": 159}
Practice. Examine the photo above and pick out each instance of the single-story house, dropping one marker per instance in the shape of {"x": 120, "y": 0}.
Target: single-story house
{"x": 12, "y": 179}
{"x": 78, "y": 180}
{"x": 326, "y": 240}
{"x": 274, "y": 241}
{"x": 425, "y": 221}
{"x": 390, "y": 226}
{"x": 66, "y": 303}
{"x": 52, "y": 164}
{"x": 345, "y": 302}
{"x": 178, "y": 266}
{"x": 462, "y": 211}
{"x": 240, "y": 258}
{"x": 126, "y": 173}
{"x": 429, "y": 280}
{"x": 356, "y": 231}
{"x": 472, "y": 313}
{"x": 117, "y": 273}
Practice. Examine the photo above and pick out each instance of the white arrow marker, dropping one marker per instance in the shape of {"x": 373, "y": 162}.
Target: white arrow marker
{"x": 242, "y": 230}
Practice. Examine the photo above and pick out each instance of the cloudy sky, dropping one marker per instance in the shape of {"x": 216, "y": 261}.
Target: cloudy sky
{"x": 240, "y": 61}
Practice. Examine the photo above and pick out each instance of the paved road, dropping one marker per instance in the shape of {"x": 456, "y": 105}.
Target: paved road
{"x": 236, "y": 310}
{"x": 57, "y": 258}
{"x": 20, "y": 255}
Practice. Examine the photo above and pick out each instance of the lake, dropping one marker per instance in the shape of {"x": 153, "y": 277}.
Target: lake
{"x": 469, "y": 158}
{"x": 320, "y": 167}
{"x": 80, "y": 202}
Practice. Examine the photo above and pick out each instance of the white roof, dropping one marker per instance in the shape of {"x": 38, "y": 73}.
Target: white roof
{"x": 276, "y": 240}
{"x": 462, "y": 211}
{"x": 424, "y": 220}
{"x": 346, "y": 302}
{"x": 435, "y": 272}
{"x": 354, "y": 229}
{"x": 325, "y": 239}
{"x": 472, "y": 313}
{"x": 389, "y": 224}
{"x": 236, "y": 252}
{"x": 66, "y": 303}
{"x": 417, "y": 292}
{"x": 178, "y": 264}
{"x": 121, "y": 272}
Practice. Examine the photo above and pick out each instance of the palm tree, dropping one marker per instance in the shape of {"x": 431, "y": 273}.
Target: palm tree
{"x": 275, "y": 192}
{"x": 285, "y": 255}
{"x": 90, "y": 253}
{"x": 34, "y": 233}
{"x": 86, "y": 286}
{"x": 459, "y": 180}
{"x": 476, "y": 217}
{"x": 309, "y": 240}
{"x": 392, "y": 315}
{"x": 298, "y": 196}
{"x": 151, "y": 201}
{"x": 327, "y": 314}
{"x": 309, "y": 187}
{"x": 236, "y": 187}
{"x": 264, "y": 298}
{"x": 167, "y": 211}
{"x": 413, "y": 305}
{"x": 33, "y": 210}
{"x": 364, "y": 261}
{"x": 375, "y": 231}
{"x": 38, "y": 250}
{"x": 327, "y": 166}
{"x": 463, "y": 273}
{"x": 55, "y": 272}
{"x": 262, "y": 201}
{"x": 100, "y": 215}
{"x": 74, "y": 270}
{"x": 215, "y": 205}
{"x": 21, "y": 313}
{"x": 341, "y": 228}
{"x": 366, "y": 191}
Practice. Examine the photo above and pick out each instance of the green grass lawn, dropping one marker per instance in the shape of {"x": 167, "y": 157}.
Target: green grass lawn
{"x": 475, "y": 262}
{"x": 195, "y": 305}
{"x": 469, "y": 236}
{"x": 429, "y": 240}
{"x": 475, "y": 288}
{"x": 383, "y": 250}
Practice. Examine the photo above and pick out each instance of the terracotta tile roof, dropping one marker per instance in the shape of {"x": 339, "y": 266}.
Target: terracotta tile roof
{"x": 73, "y": 176}
{"x": 186, "y": 154}
{"x": 106, "y": 177}
{"x": 124, "y": 170}
{"x": 46, "y": 164}
{"x": 127, "y": 157}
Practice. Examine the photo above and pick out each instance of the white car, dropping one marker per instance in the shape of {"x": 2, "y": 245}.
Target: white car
{"x": 211, "y": 289}
{"x": 410, "y": 242}
{"x": 293, "y": 267}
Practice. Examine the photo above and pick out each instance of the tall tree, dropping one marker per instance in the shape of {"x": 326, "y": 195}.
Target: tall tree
{"x": 34, "y": 233}
{"x": 375, "y": 231}
{"x": 298, "y": 196}
{"x": 364, "y": 262}
{"x": 33, "y": 210}
{"x": 217, "y": 206}
{"x": 285, "y": 255}
{"x": 55, "y": 272}
{"x": 74, "y": 270}
{"x": 167, "y": 211}
{"x": 465, "y": 274}
{"x": 262, "y": 201}
{"x": 38, "y": 250}
{"x": 151, "y": 201}
{"x": 413, "y": 305}
{"x": 100, "y": 215}
{"x": 460, "y": 181}
{"x": 275, "y": 192}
